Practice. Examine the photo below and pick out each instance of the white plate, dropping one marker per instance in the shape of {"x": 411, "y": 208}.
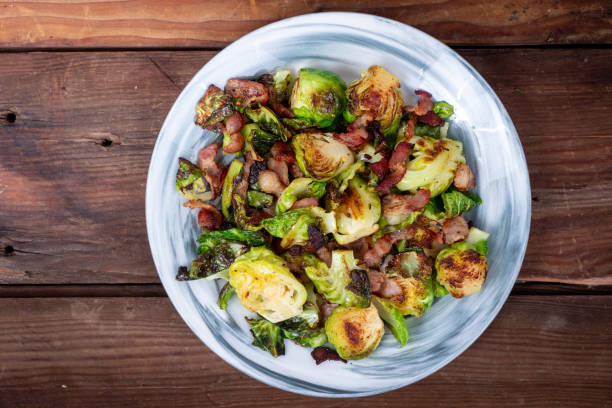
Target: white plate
{"x": 348, "y": 43}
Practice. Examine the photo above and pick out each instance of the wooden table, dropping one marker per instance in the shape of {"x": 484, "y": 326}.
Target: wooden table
{"x": 84, "y": 88}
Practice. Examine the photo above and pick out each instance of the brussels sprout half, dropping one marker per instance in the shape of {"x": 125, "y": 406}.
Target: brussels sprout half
{"x": 268, "y": 121}
{"x": 415, "y": 280}
{"x": 282, "y": 80}
{"x": 433, "y": 166}
{"x": 299, "y": 188}
{"x": 264, "y": 285}
{"x": 461, "y": 269}
{"x": 344, "y": 283}
{"x": 358, "y": 213}
{"x": 393, "y": 318}
{"x": 318, "y": 96}
{"x": 355, "y": 332}
{"x": 190, "y": 182}
{"x": 377, "y": 93}
{"x": 320, "y": 156}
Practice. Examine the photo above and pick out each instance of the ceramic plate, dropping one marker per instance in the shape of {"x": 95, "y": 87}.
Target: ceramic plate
{"x": 348, "y": 43}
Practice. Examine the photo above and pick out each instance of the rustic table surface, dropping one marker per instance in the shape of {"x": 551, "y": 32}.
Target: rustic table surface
{"x": 84, "y": 89}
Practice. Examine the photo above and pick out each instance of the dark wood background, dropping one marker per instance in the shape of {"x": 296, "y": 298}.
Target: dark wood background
{"x": 84, "y": 89}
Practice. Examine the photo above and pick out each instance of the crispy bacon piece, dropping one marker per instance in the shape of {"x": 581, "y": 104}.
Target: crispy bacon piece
{"x": 380, "y": 168}
{"x": 281, "y": 151}
{"x": 213, "y": 173}
{"x": 431, "y": 119}
{"x": 410, "y": 129}
{"x": 281, "y": 168}
{"x": 358, "y": 247}
{"x": 305, "y": 202}
{"x": 245, "y": 92}
{"x": 235, "y": 144}
{"x": 209, "y": 217}
{"x": 395, "y": 205}
{"x": 270, "y": 182}
{"x": 295, "y": 170}
{"x": 455, "y": 229}
{"x": 354, "y": 137}
{"x": 316, "y": 240}
{"x": 326, "y": 309}
{"x": 397, "y": 167}
{"x": 383, "y": 245}
{"x": 235, "y": 122}
{"x": 382, "y": 285}
{"x": 464, "y": 178}
{"x": 241, "y": 186}
{"x": 425, "y": 104}
{"x": 324, "y": 254}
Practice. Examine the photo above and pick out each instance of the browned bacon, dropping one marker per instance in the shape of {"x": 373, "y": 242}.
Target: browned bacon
{"x": 246, "y": 92}
{"x": 464, "y": 178}
{"x": 281, "y": 151}
{"x": 397, "y": 167}
{"x": 210, "y": 218}
{"x": 431, "y": 119}
{"x": 383, "y": 245}
{"x": 397, "y": 207}
{"x": 281, "y": 168}
{"x": 354, "y": 137}
{"x": 213, "y": 173}
{"x": 236, "y": 143}
{"x": 235, "y": 122}
{"x": 455, "y": 229}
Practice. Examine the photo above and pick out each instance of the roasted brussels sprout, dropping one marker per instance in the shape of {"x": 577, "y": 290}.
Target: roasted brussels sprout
{"x": 443, "y": 109}
{"x": 257, "y": 199}
{"x": 355, "y": 332}
{"x": 414, "y": 277}
{"x": 190, "y": 182}
{"x": 393, "y": 318}
{"x": 461, "y": 269}
{"x": 376, "y": 93}
{"x": 302, "y": 328}
{"x": 291, "y": 226}
{"x": 264, "y": 285}
{"x": 297, "y": 124}
{"x": 257, "y": 141}
{"x": 228, "y": 187}
{"x": 214, "y": 107}
{"x": 318, "y": 96}
{"x": 212, "y": 239}
{"x": 282, "y": 82}
{"x": 242, "y": 218}
{"x": 214, "y": 263}
{"x": 227, "y": 292}
{"x": 268, "y": 121}
{"x": 433, "y": 166}
{"x": 358, "y": 213}
{"x": 344, "y": 283}
{"x": 267, "y": 336}
{"x": 320, "y": 156}
{"x": 299, "y": 188}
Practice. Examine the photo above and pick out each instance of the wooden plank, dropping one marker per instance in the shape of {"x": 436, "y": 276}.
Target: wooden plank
{"x": 540, "y": 351}
{"x": 72, "y": 209}
{"x": 192, "y": 23}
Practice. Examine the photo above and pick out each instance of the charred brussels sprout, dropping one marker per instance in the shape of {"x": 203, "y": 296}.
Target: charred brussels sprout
{"x": 268, "y": 121}
{"x": 320, "y": 156}
{"x": 462, "y": 267}
{"x": 344, "y": 283}
{"x": 214, "y": 263}
{"x": 257, "y": 199}
{"x": 376, "y": 93}
{"x": 257, "y": 141}
{"x": 190, "y": 182}
{"x": 318, "y": 96}
{"x": 267, "y": 336}
{"x": 443, "y": 109}
{"x": 433, "y": 166}
{"x": 413, "y": 275}
{"x": 358, "y": 212}
{"x": 456, "y": 203}
{"x": 355, "y": 332}
{"x": 282, "y": 82}
{"x": 299, "y": 188}
{"x": 264, "y": 285}
{"x": 228, "y": 187}
{"x": 291, "y": 226}
{"x": 214, "y": 107}
{"x": 212, "y": 239}
{"x": 393, "y": 318}
{"x": 302, "y": 328}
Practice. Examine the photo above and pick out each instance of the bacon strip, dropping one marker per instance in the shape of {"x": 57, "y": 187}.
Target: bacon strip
{"x": 380, "y": 168}
{"x": 425, "y": 104}
{"x": 464, "y": 178}
{"x": 213, "y": 173}
{"x": 383, "y": 245}
{"x": 322, "y": 354}
{"x": 455, "y": 229}
{"x": 235, "y": 122}
{"x": 397, "y": 168}
{"x": 210, "y": 218}
{"x": 281, "y": 151}
{"x": 397, "y": 206}
{"x": 431, "y": 119}
{"x": 305, "y": 202}
{"x": 247, "y": 92}
{"x": 354, "y": 137}
{"x": 268, "y": 82}
{"x": 281, "y": 168}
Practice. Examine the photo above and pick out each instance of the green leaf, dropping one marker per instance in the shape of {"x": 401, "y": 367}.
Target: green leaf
{"x": 267, "y": 336}
{"x": 214, "y": 238}
{"x": 425, "y": 130}
{"x": 225, "y": 295}
{"x": 443, "y": 109}
{"x": 257, "y": 199}
{"x": 456, "y": 202}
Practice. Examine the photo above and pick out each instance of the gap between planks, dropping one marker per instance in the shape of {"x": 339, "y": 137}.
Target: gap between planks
{"x": 157, "y": 290}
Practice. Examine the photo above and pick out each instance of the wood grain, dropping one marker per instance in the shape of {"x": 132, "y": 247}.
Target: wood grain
{"x": 72, "y": 209}
{"x": 192, "y": 23}
{"x": 540, "y": 351}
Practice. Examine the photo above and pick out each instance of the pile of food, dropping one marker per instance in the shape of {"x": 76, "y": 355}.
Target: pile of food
{"x": 341, "y": 211}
